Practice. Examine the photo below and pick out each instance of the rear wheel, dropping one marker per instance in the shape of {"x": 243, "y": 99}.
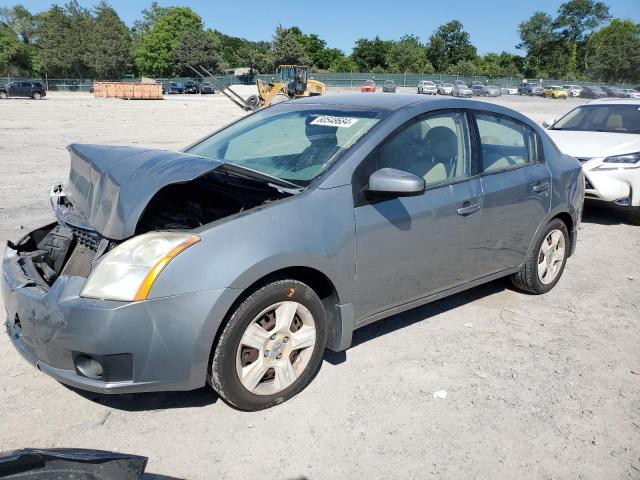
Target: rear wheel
{"x": 271, "y": 347}
{"x": 545, "y": 264}
{"x": 36, "y": 96}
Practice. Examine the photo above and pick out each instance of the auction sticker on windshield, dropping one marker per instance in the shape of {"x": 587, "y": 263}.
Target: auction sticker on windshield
{"x": 329, "y": 121}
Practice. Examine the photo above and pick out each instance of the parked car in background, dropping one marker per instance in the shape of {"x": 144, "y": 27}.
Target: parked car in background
{"x": 461, "y": 90}
{"x": 530, "y": 89}
{"x": 614, "y": 92}
{"x": 191, "y": 88}
{"x": 33, "y": 90}
{"x": 445, "y": 88}
{"x": 592, "y": 92}
{"x": 206, "y": 88}
{"x": 437, "y": 83}
{"x": 175, "y": 88}
{"x": 509, "y": 90}
{"x": 460, "y": 82}
{"x": 485, "y": 90}
{"x": 368, "y": 86}
{"x": 453, "y": 195}
{"x": 555, "y": 91}
{"x": 427, "y": 87}
{"x": 604, "y": 135}
{"x": 631, "y": 93}
{"x": 389, "y": 86}
{"x": 573, "y": 90}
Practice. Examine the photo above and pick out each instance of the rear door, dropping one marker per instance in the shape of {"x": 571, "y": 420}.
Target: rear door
{"x": 516, "y": 185}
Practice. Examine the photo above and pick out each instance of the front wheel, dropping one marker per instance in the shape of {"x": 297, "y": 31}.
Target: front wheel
{"x": 271, "y": 346}
{"x": 36, "y": 96}
{"x": 546, "y": 261}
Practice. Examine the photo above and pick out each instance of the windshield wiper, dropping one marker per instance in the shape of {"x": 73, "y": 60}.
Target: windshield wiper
{"x": 248, "y": 172}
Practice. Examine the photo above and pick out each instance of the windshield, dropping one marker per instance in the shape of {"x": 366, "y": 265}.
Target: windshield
{"x": 295, "y": 145}
{"x": 602, "y": 118}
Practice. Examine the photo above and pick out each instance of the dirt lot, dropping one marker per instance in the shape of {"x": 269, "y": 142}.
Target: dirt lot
{"x": 541, "y": 387}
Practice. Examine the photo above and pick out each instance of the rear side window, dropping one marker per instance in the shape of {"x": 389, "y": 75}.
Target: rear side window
{"x": 505, "y": 143}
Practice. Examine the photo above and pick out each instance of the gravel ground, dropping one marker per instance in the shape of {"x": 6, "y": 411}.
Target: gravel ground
{"x": 538, "y": 387}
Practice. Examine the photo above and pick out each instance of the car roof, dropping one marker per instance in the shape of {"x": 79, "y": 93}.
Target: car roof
{"x": 615, "y": 101}
{"x": 391, "y": 103}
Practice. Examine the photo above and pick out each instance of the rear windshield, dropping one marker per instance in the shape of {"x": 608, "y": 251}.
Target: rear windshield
{"x": 602, "y": 118}
{"x": 293, "y": 145}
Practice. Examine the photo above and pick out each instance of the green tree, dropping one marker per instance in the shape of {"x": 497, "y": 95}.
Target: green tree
{"x": 256, "y": 59}
{"x": 199, "y": 48}
{"x": 614, "y": 52}
{"x": 154, "y": 50}
{"x": 109, "y": 47}
{"x": 286, "y": 48}
{"x": 21, "y": 21}
{"x": 343, "y": 64}
{"x": 63, "y": 36}
{"x": 370, "y": 55}
{"x": 450, "y": 45}
{"x": 9, "y": 47}
{"x": 408, "y": 55}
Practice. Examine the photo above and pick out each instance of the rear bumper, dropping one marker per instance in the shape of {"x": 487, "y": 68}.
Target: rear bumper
{"x": 168, "y": 339}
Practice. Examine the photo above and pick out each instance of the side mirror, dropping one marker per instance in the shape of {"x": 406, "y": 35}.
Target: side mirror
{"x": 548, "y": 123}
{"x": 395, "y": 183}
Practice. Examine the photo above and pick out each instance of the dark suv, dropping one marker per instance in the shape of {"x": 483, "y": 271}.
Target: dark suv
{"x": 34, "y": 90}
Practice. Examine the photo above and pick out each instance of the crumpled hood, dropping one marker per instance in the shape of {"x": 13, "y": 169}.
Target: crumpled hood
{"x": 594, "y": 144}
{"x": 111, "y": 186}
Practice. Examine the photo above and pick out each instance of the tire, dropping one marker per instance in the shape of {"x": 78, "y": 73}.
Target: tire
{"x": 3, "y": 95}
{"x": 528, "y": 278}
{"x": 274, "y": 379}
{"x": 36, "y": 96}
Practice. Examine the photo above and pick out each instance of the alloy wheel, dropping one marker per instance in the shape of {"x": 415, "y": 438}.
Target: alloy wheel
{"x": 275, "y": 348}
{"x": 551, "y": 256}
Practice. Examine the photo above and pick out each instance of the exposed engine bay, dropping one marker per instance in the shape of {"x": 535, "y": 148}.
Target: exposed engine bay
{"x": 70, "y": 246}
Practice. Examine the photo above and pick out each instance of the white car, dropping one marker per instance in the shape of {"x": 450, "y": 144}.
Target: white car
{"x": 427, "y": 87}
{"x": 631, "y": 93}
{"x": 604, "y": 135}
{"x": 445, "y": 88}
{"x": 573, "y": 90}
{"x": 509, "y": 90}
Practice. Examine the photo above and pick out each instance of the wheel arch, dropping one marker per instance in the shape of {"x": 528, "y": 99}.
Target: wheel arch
{"x": 339, "y": 318}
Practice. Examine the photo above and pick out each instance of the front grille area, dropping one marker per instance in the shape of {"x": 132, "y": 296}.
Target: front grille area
{"x": 80, "y": 261}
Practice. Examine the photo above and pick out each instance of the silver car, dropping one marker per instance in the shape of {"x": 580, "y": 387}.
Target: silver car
{"x": 239, "y": 260}
{"x": 461, "y": 90}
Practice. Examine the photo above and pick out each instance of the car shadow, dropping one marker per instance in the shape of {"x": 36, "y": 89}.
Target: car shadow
{"x": 602, "y": 215}
{"x": 415, "y": 315}
{"x": 137, "y": 402}
{"x": 155, "y": 476}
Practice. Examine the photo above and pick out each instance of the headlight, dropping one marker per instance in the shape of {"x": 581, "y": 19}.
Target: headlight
{"x": 128, "y": 271}
{"x": 628, "y": 158}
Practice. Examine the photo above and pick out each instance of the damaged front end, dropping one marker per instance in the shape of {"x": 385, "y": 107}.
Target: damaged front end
{"x": 62, "y": 314}
{"x": 115, "y": 193}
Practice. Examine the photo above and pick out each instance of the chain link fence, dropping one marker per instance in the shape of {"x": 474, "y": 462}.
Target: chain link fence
{"x": 353, "y": 79}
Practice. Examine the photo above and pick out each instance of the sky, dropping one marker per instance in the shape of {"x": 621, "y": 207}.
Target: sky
{"x": 492, "y": 24}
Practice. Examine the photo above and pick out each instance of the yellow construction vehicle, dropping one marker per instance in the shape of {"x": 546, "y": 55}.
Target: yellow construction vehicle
{"x": 293, "y": 82}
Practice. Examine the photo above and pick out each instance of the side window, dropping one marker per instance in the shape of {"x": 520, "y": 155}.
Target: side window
{"x": 435, "y": 147}
{"x": 505, "y": 143}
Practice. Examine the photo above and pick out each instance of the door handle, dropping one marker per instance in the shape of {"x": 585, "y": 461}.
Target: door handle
{"x": 541, "y": 187}
{"x": 468, "y": 208}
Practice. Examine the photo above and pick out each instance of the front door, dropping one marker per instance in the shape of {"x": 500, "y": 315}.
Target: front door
{"x": 516, "y": 185}
{"x": 410, "y": 247}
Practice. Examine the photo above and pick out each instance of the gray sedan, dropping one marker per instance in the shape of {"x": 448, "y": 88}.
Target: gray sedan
{"x": 239, "y": 260}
